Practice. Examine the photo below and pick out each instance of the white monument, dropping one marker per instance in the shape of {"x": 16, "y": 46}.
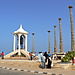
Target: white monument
{"x": 19, "y": 43}
{"x": 20, "y": 40}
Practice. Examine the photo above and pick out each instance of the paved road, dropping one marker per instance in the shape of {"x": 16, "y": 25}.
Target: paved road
{"x": 12, "y": 72}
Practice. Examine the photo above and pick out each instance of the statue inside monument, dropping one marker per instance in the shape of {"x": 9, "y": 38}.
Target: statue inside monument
{"x": 22, "y": 41}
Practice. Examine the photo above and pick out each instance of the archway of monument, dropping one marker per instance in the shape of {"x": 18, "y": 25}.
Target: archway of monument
{"x": 22, "y": 41}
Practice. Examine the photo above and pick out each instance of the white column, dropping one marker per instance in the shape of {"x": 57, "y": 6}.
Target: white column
{"x": 25, "y": 42}
{"x": 14, "y": 43}
{"x": 19, "y": 44}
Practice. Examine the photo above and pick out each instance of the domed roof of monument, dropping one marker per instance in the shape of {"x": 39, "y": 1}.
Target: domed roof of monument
{"x": 20, "y": 30}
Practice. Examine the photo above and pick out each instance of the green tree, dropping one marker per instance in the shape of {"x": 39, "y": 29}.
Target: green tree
{"x": 69, "y": 55}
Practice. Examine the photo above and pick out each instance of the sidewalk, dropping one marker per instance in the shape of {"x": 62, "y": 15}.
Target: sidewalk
{"x": 34, "y": 66}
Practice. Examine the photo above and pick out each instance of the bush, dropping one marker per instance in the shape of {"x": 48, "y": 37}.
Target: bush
{"x": 68, "y": 56}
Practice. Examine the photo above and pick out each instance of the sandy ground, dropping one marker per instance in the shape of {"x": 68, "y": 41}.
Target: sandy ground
{"x": 34, "y": 65}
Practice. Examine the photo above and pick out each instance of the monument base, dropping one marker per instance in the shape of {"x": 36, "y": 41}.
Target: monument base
{"x": 14, "y": 55}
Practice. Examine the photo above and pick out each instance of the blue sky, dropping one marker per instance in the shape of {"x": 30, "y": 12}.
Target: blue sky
{"x": 37, "y": 16}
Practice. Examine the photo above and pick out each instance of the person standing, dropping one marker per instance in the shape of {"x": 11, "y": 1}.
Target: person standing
{"x": 39, "y": 56}
{"x": 30, "y": 56}
{"x": 46, "y": 56}
{"x": 2, "y": 54}
{"x": 49, "y": 62}
{"x": 42, "y": 60}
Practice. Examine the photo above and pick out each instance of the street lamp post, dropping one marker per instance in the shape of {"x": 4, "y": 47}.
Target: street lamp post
{"x": 33, "y": 43}
{"x": 55, "y": 42}
{"x": 49, "y": 50}
{"x": 61, "y": 41}
{"x": 72, "y": 29}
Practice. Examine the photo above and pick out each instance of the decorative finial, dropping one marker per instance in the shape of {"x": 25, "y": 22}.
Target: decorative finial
{"x": 20, "y": 25}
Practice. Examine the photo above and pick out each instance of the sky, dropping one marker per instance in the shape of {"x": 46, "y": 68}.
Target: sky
{"x": 36, "y": 16}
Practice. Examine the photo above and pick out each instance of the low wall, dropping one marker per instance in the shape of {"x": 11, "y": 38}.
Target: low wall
{"x": 63, "y": 65}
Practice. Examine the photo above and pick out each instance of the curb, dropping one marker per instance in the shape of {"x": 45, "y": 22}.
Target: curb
{"x": 24, "y": 70}
{"x": 38, "y": 72}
